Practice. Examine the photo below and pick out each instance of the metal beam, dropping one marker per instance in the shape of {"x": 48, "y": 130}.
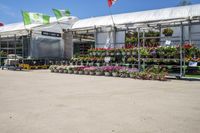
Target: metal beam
{"x": 181, "y": 50}
{"x": 138, "y": 46}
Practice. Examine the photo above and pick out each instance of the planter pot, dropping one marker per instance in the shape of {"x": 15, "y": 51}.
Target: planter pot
{"x": 107, "y": 73}
{"x": 92, "y": 73}
{"x": 103, "y": 54}
{"x": 86, "y": 72}
{"x": 98, "y": 64}
{"x": 56, "y": 71}
{"x": 65, "y": 71}
{"x": 91, "y": 64}
{"x": 112, "y": 54}
{"x": 134, "y": 53}
{"x": 131, "y": 75}
{"x": 70, "y": 71}
{"x": 94, "y": 53}
{"x": 123, "y": 75}
{"x": 168, "y": 35}
{"x": 61, "y": 71}
{"x": 80, "y": 72}
{"x": 98, "y": 73}
{"x": 107, "y": 53}
{"x": 128, "y": 53}
{"x": 115, "y": 74}
{"x": 75, "y": 72}
{"x": 118, "y": 53}
{"x": 123, "y": 53}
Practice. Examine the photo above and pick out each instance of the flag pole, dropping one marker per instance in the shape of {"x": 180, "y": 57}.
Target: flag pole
{"x": 58, "y": 21}
{"x": 24, "y": 22}
{"x": 111, "y": 15}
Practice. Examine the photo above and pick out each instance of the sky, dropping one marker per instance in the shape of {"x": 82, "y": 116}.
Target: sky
{"x": 11, "y": 9}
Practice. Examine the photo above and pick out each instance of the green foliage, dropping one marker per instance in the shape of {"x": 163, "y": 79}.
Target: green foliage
{"x": 168, "y": 32}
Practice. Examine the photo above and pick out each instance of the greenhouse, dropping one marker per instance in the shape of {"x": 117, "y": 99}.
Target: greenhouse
{"x": 35, "y": 41}
{"x": 168, "y": 37}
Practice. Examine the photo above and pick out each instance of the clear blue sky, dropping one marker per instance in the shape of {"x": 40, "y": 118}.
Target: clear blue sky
{"x": 11, "y": 9}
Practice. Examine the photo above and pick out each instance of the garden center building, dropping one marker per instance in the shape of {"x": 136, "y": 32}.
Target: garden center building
{"x": 35, "y": 41}
{"x": 139, "y": 29}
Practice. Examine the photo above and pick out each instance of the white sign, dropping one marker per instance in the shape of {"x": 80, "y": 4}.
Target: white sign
{"x": 168, "y": 42}
{"x": 107, "y": 59}
{"x": 193, "y": 64}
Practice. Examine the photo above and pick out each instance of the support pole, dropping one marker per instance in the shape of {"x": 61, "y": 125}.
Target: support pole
{"x": 143, "y": 45}
{"x": 189, "y": 32}
{"x": 7, "y": 42}
{"x": 114, "y": 37}
{"x": 30, "y": 43}
{"x": 181, "y": 50}
{"x": 0, "y": 51}
{"x": 144, "y": 40}
{"x": 138, "y": 46}
{"x": 22, "y": 46}
{"x": 15, "y": 39}
{"x": 95, "y": 35}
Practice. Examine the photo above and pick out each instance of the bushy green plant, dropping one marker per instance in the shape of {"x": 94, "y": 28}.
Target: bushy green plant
{"x": 168, "y": 32}
{"x": 144, "y": 52}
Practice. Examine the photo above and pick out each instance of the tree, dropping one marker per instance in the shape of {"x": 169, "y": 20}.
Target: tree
{"x": 184, "y": 3}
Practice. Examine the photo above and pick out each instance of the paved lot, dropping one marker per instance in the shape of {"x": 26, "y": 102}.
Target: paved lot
{"x": 43, "y": 102}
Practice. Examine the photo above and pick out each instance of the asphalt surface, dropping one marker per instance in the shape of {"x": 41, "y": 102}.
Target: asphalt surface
{"x": 44, "y": 102}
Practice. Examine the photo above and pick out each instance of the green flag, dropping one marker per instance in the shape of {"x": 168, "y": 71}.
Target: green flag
{"x": 61, "y": 13}
{"x": 35, "y": 18}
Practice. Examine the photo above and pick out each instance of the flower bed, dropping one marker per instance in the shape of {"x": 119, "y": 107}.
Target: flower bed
{"x": 115, "y": 71}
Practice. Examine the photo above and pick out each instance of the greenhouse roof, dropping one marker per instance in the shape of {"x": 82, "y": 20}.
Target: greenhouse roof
{"x": 19, "y": 28}
{"x": 173, "y": 13}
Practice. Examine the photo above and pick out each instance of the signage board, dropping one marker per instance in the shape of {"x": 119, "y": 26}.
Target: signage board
{"x": 52, "y": 34}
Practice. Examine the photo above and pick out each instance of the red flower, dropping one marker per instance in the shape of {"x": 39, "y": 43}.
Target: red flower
{"x": 187, "y": 46}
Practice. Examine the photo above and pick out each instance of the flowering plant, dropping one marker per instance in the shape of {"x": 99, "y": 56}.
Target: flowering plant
{"x": 90, "y": 69}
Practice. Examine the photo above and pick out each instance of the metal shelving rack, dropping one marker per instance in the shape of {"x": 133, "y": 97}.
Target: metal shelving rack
{"x": 13, "y": 45}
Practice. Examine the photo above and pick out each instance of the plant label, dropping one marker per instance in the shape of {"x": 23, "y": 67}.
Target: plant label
{"x": 107, "y": 59}
{"x": 168, "y": 42}
{"x": 193, "y": 64}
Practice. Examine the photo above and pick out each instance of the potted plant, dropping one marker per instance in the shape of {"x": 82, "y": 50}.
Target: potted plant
{"x": 161, "y": 52}
{"x": 115, "y": 71}
{"x": 91, "y": 70}
{"x": 99, "y": 71}
{"x": 70, "y": 70}
{"x": 65, "y": 69}
{"x": 60, "y": 69}
{"x": 131, "y": 60}
{"x": 123, "y": 51}
{"x": 128, "y": 51}
{"x": 52, "y": 68}
{"x": 134, "y": 51}
{"x": 123, "y": 73}
{"x": 133, "y": 75}
{"x": 168, "y": 32}
{"x": 107, "y": 70}
{"x": 144, "y": 52}
{"x": 75, "y": 70}
{"x": 112, "y": 52}
{"x": 86, "y": 71}
{"x": 80, "y": 69}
